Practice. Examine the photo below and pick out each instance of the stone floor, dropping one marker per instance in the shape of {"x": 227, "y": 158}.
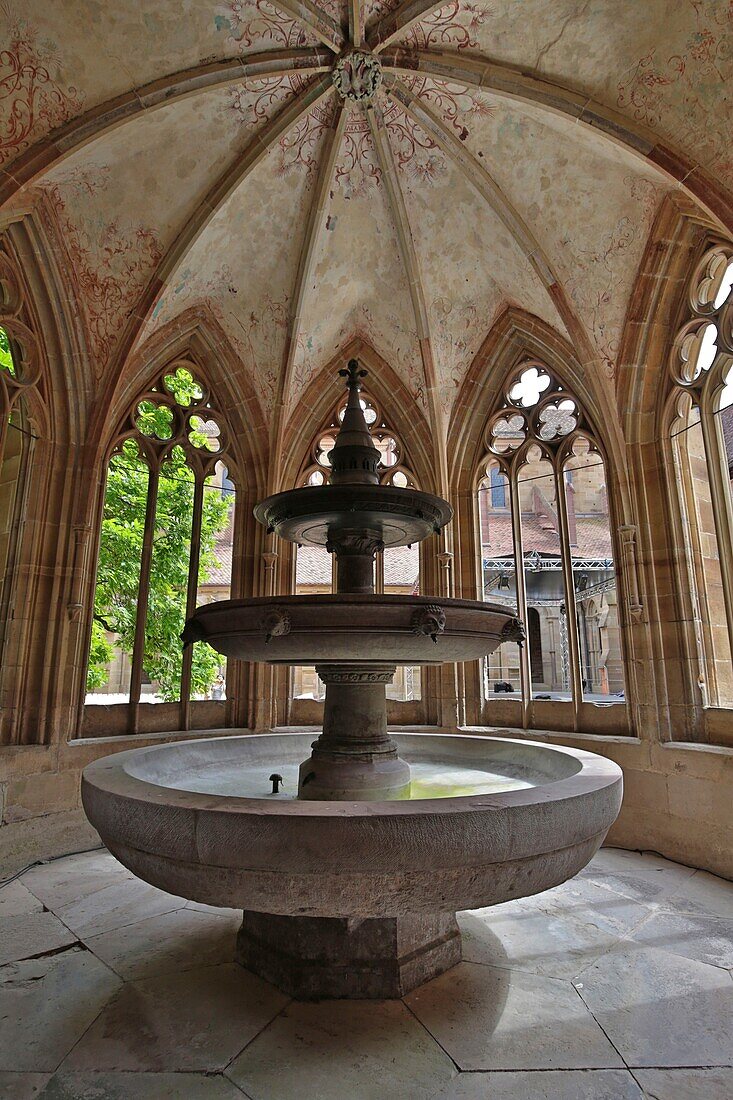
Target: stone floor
{"x": 617, "y": 985}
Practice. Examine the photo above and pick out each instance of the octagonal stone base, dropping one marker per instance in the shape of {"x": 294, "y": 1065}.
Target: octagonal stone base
{"x": 330, "y": 957}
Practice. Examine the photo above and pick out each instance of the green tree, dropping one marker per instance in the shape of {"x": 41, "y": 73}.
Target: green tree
{"x": 123, "y": 523}
{"x": 6, "y": 358}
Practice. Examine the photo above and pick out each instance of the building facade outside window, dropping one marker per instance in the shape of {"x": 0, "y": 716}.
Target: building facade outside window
{"x": 547, "y": 547}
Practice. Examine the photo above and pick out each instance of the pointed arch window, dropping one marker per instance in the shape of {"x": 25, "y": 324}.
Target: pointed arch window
{"x": 165, "y": 546}
{"x": 16, "y": 375}
{"x": 699, "y": 426}
{"x": 397, "y": 569}
{"x": 546, "y": 546}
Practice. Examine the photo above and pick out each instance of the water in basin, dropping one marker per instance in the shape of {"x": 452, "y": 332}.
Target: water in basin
{"x": 429, "y": 780}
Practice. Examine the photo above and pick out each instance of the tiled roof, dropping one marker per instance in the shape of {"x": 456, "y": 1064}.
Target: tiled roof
{"x": 221, "y": 574}
{"x": 400, "y": 567}
{"x": 592, "y": 536}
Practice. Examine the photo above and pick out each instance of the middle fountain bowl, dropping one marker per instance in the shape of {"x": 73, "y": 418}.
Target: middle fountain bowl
{"x": 354, "y": 637}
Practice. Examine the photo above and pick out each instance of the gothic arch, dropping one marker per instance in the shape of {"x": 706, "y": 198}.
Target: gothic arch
{"x": 678, "y": 237}
{"x": 38, "y": 311}
{"x": 200, "y": 345}
{"x": 394, "y": 397}
{"x": 516, "y": 335}
{"x": 198, "y": 335}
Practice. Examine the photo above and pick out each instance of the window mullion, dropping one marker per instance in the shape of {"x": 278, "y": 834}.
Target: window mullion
{"x": 524, "y": 667}
{"x": 194, "y": 559}
{"x": 567, "y": 568}
{"x": 143, "y": 594}
{"x": 4, "y": 417}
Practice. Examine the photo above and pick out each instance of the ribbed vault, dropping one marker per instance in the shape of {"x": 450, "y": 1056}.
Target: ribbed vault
{"x": 513, "y": 155}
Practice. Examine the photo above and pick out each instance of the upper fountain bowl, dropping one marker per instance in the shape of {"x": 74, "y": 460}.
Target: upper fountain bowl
{"x": 315, "y": 515}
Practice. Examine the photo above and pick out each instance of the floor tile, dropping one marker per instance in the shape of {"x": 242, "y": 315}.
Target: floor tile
{"x": 639, "y": 875}
{"x": 173, "y": 941}
{"x": 115, "y": 906}
{"x": 695, "y": 936}
{"x": 363, "y": 1050}
{"x": 556, "y": 933}
{"x": 139, "y": 1086}
{"x": 22, "y": 1086}
{"x": 64, "y": 881}
{"x": 686, "y": 1084}
{"x": 197, "y": 1020}
{"x": 705, "y": 893}
{"x": 31, "y": 934}
{"x": 16, "y": 899}
{"x": 47, "y": 1004}
{"x": 583, "y": 1084}
{"x": 489, "y": 1018}
{"x": 660, "y": 1009}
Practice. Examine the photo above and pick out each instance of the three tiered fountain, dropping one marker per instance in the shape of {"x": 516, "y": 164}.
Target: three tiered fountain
{"x": 350, "y": 889}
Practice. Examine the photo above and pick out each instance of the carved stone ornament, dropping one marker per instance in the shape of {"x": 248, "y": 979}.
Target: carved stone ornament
{"x": 428, "y": 621}
{"x": 354, "y": 542}
{"x": 357, "y": 76}
{"x": 339, "y": 674}
{"x": 514, "y": 632}
{"x": 276, "y": 623}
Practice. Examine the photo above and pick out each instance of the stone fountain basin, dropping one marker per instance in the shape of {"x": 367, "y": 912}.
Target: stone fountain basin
{"x": 351, "y": 859}
{"x": 343, "y": 628}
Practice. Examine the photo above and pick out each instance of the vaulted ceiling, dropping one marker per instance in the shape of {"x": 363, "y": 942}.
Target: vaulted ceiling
{"x": 196, "y": 153}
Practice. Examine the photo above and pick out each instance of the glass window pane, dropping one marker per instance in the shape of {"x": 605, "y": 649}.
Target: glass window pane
{"x": 118, "y": 576}
{"x": 208, "y": 668}
{"x": 402, "y": 577}
{"x": 594, "y": 576}
{"x": 11, "y": 471}
{"x": 163, "y": 653}
{"x": 703, "y": 553}
{"x": 501, "y": 668}
{"x": 547, "y": 628}
{"x": 313, "y": 574}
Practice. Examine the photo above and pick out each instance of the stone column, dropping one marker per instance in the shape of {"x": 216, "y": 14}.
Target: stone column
{"x": 354, "y": 758}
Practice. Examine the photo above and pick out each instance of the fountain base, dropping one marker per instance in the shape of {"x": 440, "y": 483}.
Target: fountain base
{"x": 332, "y": 957}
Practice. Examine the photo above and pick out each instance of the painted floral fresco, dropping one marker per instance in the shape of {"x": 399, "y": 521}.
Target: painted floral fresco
{"x": 109, "y": 261}
{"x": 566, "y": 201}
{"x": 595, "y": 247}
{"x": 34, "y": 97}
{"x": 676, "y": 89}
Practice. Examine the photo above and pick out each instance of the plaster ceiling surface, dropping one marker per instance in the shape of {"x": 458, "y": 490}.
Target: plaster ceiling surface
{"x": 197, "y": 154}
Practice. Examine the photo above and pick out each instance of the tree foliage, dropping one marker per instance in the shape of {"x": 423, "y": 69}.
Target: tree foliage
{"x": 6, "y": 357}
{"x": 123, "y": 524}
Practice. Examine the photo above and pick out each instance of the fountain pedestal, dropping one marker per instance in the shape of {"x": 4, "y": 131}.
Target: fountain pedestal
{"x": 380, "y": 957}
{"x": 354, "y": 758}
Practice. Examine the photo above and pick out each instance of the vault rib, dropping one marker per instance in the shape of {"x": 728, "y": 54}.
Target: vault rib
{"x": 304, "y": 274}
{"x": 356, "y": 22}
{"x": 316, "y": 20}
{"x": 477, "y": 176}
{"x": 411, "y": 266}
{"x": 399, "y": 21}
{"x": 224, "y": 187}
{"x": 481, "y": 181}
{"x": 103, "y": 118}
{"x": 504, "y": 82}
